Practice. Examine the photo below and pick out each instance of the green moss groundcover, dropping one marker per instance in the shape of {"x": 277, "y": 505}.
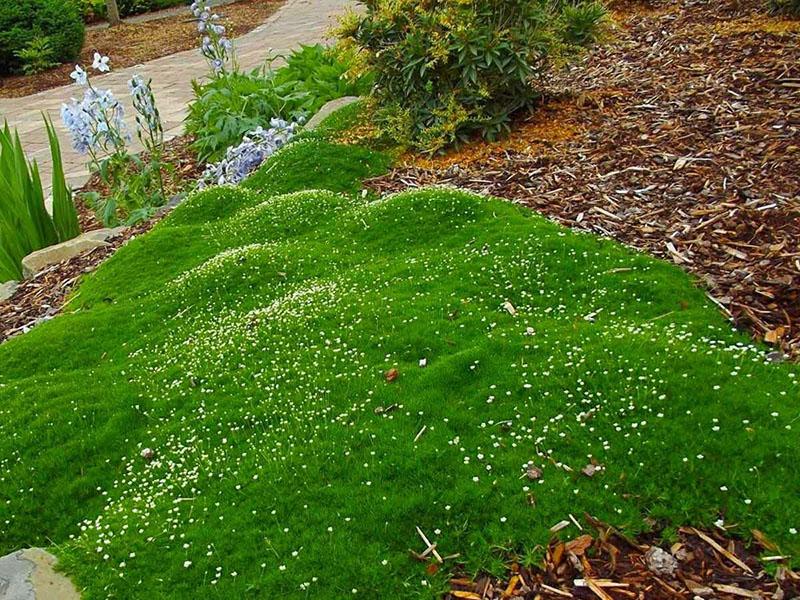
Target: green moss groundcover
{"x": 213, "y": 419}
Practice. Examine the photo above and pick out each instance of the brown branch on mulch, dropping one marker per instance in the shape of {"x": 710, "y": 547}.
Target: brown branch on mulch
{"x": 681, "y": 138}
{"x": 611, "y": 566}
{"x": 131, "y": 44}
{"x": 46, "y": 294}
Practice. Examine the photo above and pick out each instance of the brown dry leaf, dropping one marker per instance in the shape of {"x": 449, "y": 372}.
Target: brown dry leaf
{"x": 764, "y": 540}
{"x": 391, "y": 375}
{"x": 467, "y": 595}
{"x": 558, "y": 552}
{"x": 773, "y": 336}
{"x": 533, "y": 472}
{"x": 590, "y": 470}
{"x": 579, "y": 545}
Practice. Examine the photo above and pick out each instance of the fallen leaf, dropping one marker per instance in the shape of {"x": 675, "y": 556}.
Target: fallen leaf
{"x": 391, "y": 375}
{"x": 579, "y": 545}
{"x": 773, "y": 336}
{"x": 590, "y": 470}
{"x": 533, "y": 472}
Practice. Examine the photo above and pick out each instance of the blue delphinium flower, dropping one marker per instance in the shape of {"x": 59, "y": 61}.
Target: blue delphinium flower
{"x": 79, "y": 75}
{"x": 214, "y": 46}
{"x": 241, "y": 160}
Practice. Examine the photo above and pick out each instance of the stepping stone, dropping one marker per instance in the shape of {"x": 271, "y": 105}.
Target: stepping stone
{"x": 29, "y": 575}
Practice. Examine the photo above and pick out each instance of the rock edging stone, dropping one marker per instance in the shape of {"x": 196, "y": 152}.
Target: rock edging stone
{"x": 37, "y": 261}
{"x": 7, "y": 290}
{"x": 328, "y": 109}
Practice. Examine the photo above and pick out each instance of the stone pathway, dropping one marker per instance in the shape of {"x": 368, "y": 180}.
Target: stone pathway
{"x": 296, "y": 22}
{"x": 30, "y": 575}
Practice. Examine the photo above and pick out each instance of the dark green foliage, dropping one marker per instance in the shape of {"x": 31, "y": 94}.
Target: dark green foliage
{"x": 584, "y": 22}
{"x": 787, "y": 7}
{"x": 25, "y": 225}
{"x": 448, "y": 69}
{"x": 37, "y": 56}
{"x": 231, "y": 105}
{"x": 96, "y": 9}
{"x": 22, "y": 21}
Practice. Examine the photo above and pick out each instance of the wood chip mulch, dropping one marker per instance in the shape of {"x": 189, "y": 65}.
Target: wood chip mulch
{"x": 44, "y": 296}
{"x": 607, "y": 565}
{"x": 680, "y": 137}
{"x": 131, "y": 44}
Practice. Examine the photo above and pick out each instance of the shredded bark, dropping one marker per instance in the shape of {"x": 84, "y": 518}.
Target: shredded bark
{"x": 131, "y": 44}
{"x": 46, "y": 294}
{"x": 610, "y": 566}
{"x": 680, "y": 137}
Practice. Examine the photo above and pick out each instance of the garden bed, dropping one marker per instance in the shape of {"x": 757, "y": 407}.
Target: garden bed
{"x": 675, "y": 142}
{"x": 285, "y": 353}
{"x": 604, "y": 564}
{"x": 42, "y": 297}
{"x": 134, "y": 43}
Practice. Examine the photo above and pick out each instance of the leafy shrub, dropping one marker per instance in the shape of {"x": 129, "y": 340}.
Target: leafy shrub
{"x": 94, "y": 10}
{"x": 786, "y": 7}
{"x": 37, "y": 57}
{"x": 583, "y": 22}
{"x": 25, "y": 225}
{"x": 23, "y": 21}
{"x": 446, "y": 69}
{"x": 229, "y": 106}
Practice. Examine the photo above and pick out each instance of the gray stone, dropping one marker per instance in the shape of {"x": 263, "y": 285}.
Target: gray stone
{"x": 41, "y": 259}
{"x": 328, "y": 109}
{"x": 171, "y": 204}
{"x": 7, "y": 289}
{"x": 103, "y": 235}
{"x": 30, "y": 575}
{"x": 660, "y": 562}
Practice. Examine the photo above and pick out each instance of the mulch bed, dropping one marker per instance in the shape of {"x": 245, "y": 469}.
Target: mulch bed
{"x": 681, "y": 138}
{"x": 45, "y": 295}
{"x": 131, "y": 44}
{"x": 610, "y": 566}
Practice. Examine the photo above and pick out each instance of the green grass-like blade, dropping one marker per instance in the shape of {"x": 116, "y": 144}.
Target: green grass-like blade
{"x": 65, "y": 217}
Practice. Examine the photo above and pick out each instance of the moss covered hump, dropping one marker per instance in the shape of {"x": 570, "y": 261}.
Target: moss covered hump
{"x": 246, "y": 339}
